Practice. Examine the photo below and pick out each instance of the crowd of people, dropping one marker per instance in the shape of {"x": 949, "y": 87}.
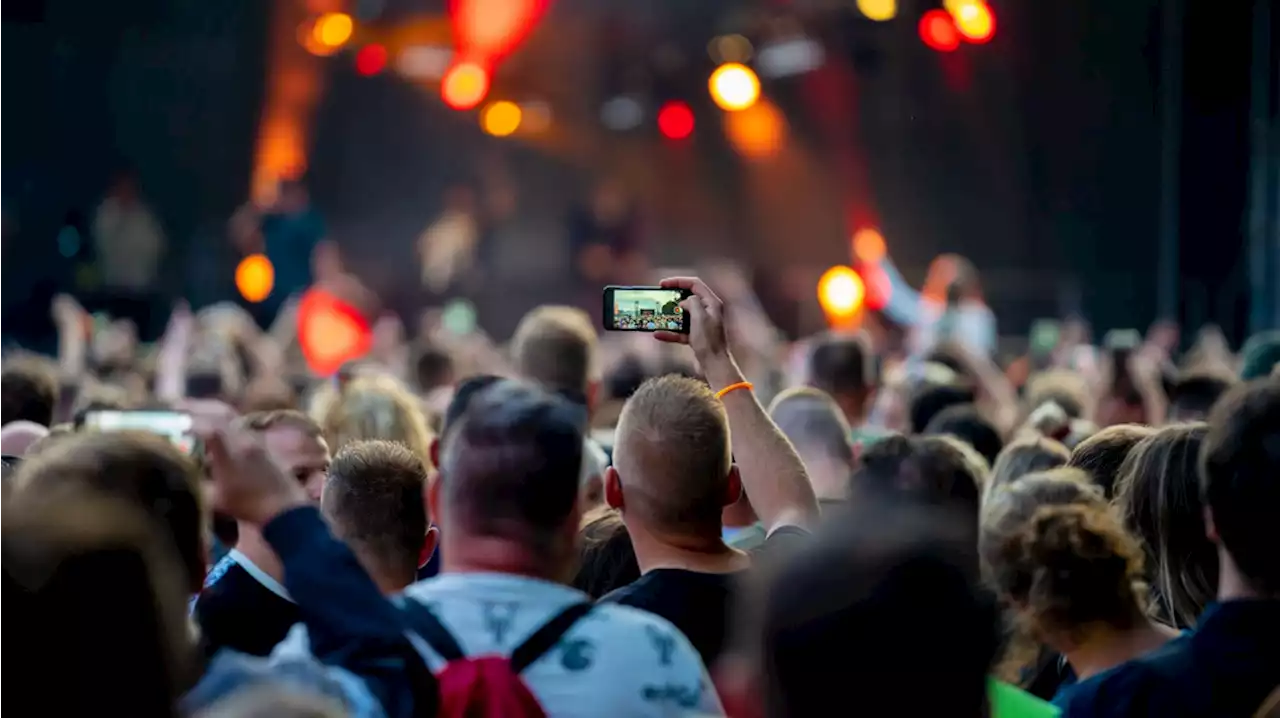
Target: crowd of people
{"x": 668, "y": 524}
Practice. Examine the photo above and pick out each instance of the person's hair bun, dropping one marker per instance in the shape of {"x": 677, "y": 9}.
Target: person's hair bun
{"x": 1080, "y": 567}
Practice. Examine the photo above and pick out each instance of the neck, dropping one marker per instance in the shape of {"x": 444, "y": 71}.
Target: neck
{"x": 704, "y": 554}
{"x": 489, "y": 554}
{"x": 1232, "y": 586}
{"x": 1105, "y": 647}
{"x": 854, "y": 409}
{"x": 256, "y": 549}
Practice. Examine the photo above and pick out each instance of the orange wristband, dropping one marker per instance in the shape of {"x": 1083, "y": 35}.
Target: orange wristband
{"x": 732, "y": 387}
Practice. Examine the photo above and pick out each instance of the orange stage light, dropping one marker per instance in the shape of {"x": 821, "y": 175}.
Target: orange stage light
{"x": 501, "y": 118}
{"x": 841, "y": 292}
{"x": 333, "y": 29}
{"x": 757, "y": 132}
{"x": 491, "y": 29}
{"x": 975, "y": 21}
{"x": 868, "y": 245}
{"x": 255, "y": 277}
{"x": 464, "y": 85}
{"x": 331, "y": 332}
{"x": 734, "y": 87}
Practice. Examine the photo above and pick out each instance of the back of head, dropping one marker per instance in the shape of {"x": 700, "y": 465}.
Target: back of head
{"x": 931, "y": 470}
{"x": 1026, "y": 456}
{"x": 377, "y": 407}
{"x": 374, "y": 497}
{"x": 1194, "y": 393}
{"x": 849, "y": 614}
{"x": 1101, "y": 455}
{"x": 432, "y": 368}
{"x": 814, "y": 423}
{"x": 1066, "y": 388}
{"x": 1240, "y": 479}
{"x": 555, "y": 348}
{"x": 929, "y": 400}
{"x": 141, "y": 469}
{"x": 842, "y": 365}
{"x": 1054, "y": 550}
{"x": 28, "y": 392}
{"x": 462, "y": 396}
{"x": 510, "y": 467}
{"x": 672, "y": 454}
{"x": 607, "y": 560}
{"x": 84, "y": 578}
{"x": 1158, "y": 493}
{"x": 964, "y": 422}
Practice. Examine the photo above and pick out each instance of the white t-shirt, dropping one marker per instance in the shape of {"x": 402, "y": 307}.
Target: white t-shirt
{"x": 617, "y": 661}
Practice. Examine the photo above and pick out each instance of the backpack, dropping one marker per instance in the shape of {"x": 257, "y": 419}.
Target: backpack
{"x": 487, "y": 686}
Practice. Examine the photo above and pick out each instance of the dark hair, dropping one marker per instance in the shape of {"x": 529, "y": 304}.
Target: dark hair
{"x": 929, "y": 470}
{"x": 374, "y": 495}
{"x": 625, "y": 377}
{"x": 966, "y": 423}
{"x": 842, "y": 364}
{"x": 929, "y": 400}
{"x": 28, "y": 392}
{"x": 1053, "y": 548}
{"x": 846, "y": 615}
{"x": 142, "y": 469}
{"x": 1101, "y": 455}
{"x": 462, "y": 396}
{"x": 1194, "y": 393}
{"x": 1158, "y": 492}
{"x": 1240, "y": 479}
{"x": 432, "y": 368}
{"x": 1026, "y": 456}
{"x": 607, "y": 560}
{"x": 510, "y": 467}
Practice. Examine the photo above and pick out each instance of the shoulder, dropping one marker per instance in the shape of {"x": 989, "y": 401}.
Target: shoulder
{"x": 1137, "y": 687}
{"x": 634, "y": 632}
{"x": 782, "y": 540}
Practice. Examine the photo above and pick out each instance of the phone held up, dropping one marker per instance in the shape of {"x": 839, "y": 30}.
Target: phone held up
{"x": 645, "y": 309}
{"x": 176, "y": 426}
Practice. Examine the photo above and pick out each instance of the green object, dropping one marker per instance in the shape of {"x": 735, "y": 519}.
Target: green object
{"x": 1045, "y": 334}
{"x": 1011, "y": 702}
{"x": 459, "y": 317}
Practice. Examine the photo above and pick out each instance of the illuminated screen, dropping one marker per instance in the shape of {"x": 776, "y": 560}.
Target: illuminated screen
{"x": 647, "y": 310}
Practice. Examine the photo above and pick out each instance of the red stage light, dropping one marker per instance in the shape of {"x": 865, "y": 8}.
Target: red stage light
{"x": 371, "y": 60}
{"x": 491, "y": 29}
{"x": 938, "y": 30}
{"x": 331, "y": 332}
{"x": 675, "y": 120}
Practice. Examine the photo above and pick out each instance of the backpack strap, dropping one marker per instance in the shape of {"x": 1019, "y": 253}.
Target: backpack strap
{"x": 423, "y": 622}
{"x": 545, "y": 638}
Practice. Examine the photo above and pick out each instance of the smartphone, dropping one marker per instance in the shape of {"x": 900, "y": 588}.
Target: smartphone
{"x": 645, "y": 309}
{"x": 175, "y": 426}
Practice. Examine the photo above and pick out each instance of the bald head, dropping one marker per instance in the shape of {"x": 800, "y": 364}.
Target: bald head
{"x": 672, "y": 455}
{"x": 814, "y": 423}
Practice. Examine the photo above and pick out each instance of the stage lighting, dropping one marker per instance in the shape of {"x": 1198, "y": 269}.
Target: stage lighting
{"x": 974, "y": 21}
{"x": 734, "y": 87}
{"x": 841, "y": 293}
{"x": 464, "y": 85}
{"x": 255, "y": 277}
{"x": 501, "y": 118}
{"x": 938, "y": 30}
{"x": 879, "y": 10}
{"x": 675, "y": 120}
{"x": 333, "y": 29}
{"x": 371, "y": 60}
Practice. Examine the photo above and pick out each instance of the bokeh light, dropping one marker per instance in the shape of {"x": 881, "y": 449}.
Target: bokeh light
{"x": 331, "y": 332}
{"x": 501, "y": 118}
{"x": 938, "y": 30}
{"x": 757, "y": 132}
{"x": 734, "y": 87}
{"x": 371, "y": 60}
{"x": 333, "y": 29}
{"x": 868, "y": 245}
{"x": 730, "y": 48}
{"x": 464, "y": 85}
{"x": 675, "y": 120}
{"x": 974, "y": 21}
{"x": 879, "y": 10}
{"x": 841, "y": 292}
{"x": 255, "y": 277}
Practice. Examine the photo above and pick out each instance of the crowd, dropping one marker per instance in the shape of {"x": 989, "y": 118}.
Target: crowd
{"x": 711, "y": 523}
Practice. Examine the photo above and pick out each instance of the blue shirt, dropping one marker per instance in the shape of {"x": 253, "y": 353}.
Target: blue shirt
{"x": 1226, "y": 667}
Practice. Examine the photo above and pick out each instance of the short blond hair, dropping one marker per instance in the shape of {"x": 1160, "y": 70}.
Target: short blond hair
{"x": 377, "y": 406}
{"x": 673, "y": 452}
{"x": 555, "y": 347}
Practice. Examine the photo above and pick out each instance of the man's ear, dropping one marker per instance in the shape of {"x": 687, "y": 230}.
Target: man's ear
{"x": 613, "y": 488}
{"x": 433, "y": 451}
{"x": 431, "y": 494}
{"x": 733, "y": 488}
{"x": 429, "y": 543}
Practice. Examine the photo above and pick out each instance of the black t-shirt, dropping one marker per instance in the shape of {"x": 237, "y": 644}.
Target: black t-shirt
{"x": 697, "y": 603}
{"x": 236, "y": 611}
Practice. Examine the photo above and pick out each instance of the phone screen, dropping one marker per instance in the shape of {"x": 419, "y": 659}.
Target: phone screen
{"x": 645, "y": 309}
{"x": 172, "y": 425}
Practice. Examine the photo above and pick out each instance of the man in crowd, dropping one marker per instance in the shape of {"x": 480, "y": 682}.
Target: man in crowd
{"x": 817, "y": 428}
{"x": 507, "y": 504}
{"x": 843, "y": 366}
{"x": 1230, "y": 663}
{"x": 244, "y": 604}
{"x": 674, "y": 473}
